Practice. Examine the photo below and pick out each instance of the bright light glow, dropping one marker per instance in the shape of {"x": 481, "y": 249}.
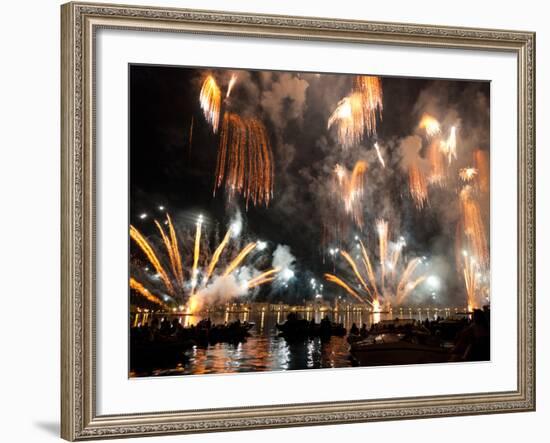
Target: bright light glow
{"x": 433, "y": 281}
{"x": 287, "y": 274}
{"x": 143, "y": 216}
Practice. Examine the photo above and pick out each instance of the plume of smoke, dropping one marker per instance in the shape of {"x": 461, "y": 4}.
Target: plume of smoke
{"x": 283, "y": 258}
{"x": 221, "y": 290}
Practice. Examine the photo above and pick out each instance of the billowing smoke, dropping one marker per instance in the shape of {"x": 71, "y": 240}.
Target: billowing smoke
{"x": 221, "y": 290}
{"x": 283, "y": 258}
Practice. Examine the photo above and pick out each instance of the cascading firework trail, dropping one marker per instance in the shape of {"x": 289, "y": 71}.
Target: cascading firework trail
{"x": 186, "y": 280}
{"x": 473, "y": 227}
{"x": 356, "y": 113}
{"x": 395, "y": 286}
{"x": 351, "y": 189}
{"x": 481, "y": 163}
{"x": 418, "y": 185}
{"x": 471, "y": 279}
{"x": 348, "y": 117}
{"x": 438, "y": 170}
{"x": 210, "y": 100}
{"x": 370, "y": 88}
{"x": 245, "y": 160}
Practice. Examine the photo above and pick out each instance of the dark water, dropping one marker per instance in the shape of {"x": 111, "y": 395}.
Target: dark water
{"x": 264, "y": 350}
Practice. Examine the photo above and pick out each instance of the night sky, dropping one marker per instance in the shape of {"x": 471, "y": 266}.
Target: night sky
{"x": 165, "y": 169}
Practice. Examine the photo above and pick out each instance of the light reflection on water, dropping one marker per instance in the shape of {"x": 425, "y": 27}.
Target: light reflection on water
{"x": 264, "y": 350}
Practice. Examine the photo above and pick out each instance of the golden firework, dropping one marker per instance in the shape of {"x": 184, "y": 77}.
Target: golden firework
{"x": 448, "y": 147}
{"x": 245, "y": 159}
{"x": 481, "y": 162}
{"x": 438, "y": 170}
{"x": 210, "y": 101}
{"x": 232, "y": 82}
{"x": 473, "y": 227}
{"x": 379, "y": 155}
{"x": 351, "y": 189}
{"x": 396, "y": 285}
{"x": 467, "y": 174}
{"x": 137, "y": 286}
{"x": 418, "y": 185}
{"x": 430, "y": 125}
{"x": 356, "y": 113}
{"x": 182, "y": 281}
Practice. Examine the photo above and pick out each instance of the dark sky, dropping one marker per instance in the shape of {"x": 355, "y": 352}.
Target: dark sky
{"x": 165, "y": 169}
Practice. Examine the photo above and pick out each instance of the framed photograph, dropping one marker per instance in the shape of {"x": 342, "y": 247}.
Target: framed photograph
{"x": 283, "y": 221}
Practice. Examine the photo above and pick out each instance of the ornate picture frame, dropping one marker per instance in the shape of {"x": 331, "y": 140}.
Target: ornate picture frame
{"x": 80, "y": 22}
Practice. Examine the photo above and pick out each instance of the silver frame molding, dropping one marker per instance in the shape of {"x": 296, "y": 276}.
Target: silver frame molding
{"x": 79, "y": 22}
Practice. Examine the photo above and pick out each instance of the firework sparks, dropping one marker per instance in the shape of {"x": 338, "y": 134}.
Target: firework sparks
{"x": 196, "y": 254}
{"x": 152, "y": 257}
{"x": 171, "y": 245}
{"x": 437, "y": 165}
{"x": 382, "y": 230}
{"x": 418, "y": 185}
{"x": 337, "y": 280}
{"x": 217, "y": 254}
{"x": 467, "y": 174}
{"x": 356, "y": 113}
{"x": 210, "y": 101}
{"x": 472, "y": 223}
{"x": 379, "y": 154}
{"x": 396, "y": 285}
{"x": 351, "y": 188}
{"x": 471, "y": 273}
{"x": 137, "y": 286}
{"x": 430, "y": 125}
{"x": 245, "y": 159}
{"x": 264, "y": 277}
{"x": 239, "y": 258}
{"x": 448, "y": 147}
{"x": 370, "y": 89}
{"x": 406, "y": 285}
{"x": 349, "y": 120}
{"x": 481, "y": 163}
{"x": 232, "y": 82}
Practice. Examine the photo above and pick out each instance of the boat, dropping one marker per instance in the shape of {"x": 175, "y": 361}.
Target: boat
{"x": 298, "y": 328}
